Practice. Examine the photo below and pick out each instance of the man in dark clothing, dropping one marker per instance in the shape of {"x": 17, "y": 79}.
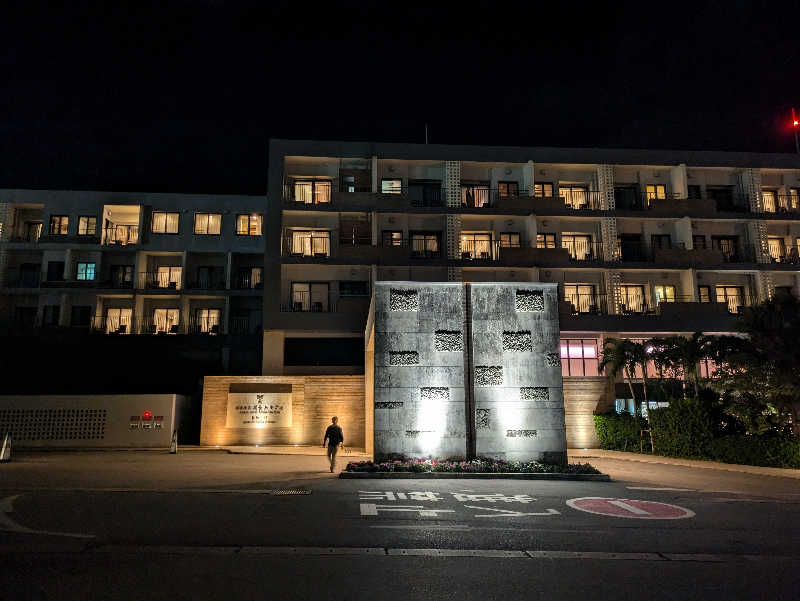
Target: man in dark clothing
{"x": 335, "y": 438}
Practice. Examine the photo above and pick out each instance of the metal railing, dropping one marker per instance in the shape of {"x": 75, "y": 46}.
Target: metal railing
{"x": 582, "y": 200}
{"x": 212, "y": 281}
{"x": 121, "y": 235}
{"x": 426, "y": 196}
{"x": 583, "y": 249}
{"x": 307, "y": 246}
{"x": 240, "y": 326}
{"x": 472, "y": 249}
{"x": 303, "y": 302}
{"x": 161, "y": 280}
{"x": 477, "y": 197}
{"x": 780, "y": 203}
{"x": 246, "y": 281}
{"x": 783, "y": 255}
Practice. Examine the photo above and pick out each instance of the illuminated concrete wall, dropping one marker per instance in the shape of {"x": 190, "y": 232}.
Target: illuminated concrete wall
{"x": 468, "y": 369}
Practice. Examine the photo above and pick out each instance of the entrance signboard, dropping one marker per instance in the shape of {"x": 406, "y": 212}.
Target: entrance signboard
{"x": 259, "y": 410}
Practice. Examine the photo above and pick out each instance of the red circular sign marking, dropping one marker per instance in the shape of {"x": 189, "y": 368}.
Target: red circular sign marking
{"x": 630, "y": 508}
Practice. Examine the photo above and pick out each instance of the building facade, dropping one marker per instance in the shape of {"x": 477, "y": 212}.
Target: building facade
{"x": 638, "y": 243}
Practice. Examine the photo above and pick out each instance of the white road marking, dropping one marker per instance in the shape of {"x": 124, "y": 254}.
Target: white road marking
{"x": 372, "y": 509}
{"x": 9, "y": 525}
{"x": 661, "y": 488}
{"x": 457, "y": 552}
{"x": 631, "y": 508}
{"x": 508, "y": 513}
{"x": 425, "y": 527}
{"x": 592, "y": 555}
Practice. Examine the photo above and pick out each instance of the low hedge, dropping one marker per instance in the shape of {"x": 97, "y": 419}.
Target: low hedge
{"x": 765, "y": 450}
{"x": 476, "y": 466}
{"x": 619, "y": 431}
{"x": 683, "y": 429}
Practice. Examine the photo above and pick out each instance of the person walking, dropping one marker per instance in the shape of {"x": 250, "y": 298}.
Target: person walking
{"x": 335, "y": 439}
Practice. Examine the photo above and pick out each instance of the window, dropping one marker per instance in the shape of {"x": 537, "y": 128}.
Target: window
{"x": 210, "y": 277}
{"x": 249, "y": 277}
{"x": 505, "y": 189}
{"x": 392, "y": 186}
{"x": 248, "y": 225}
{"x": 777, "y": 248}
{"x": 733, "y": 296}
{"x": 308, "y": 296}
{"x": 207, "y": 224}
{"x": 81, "y": 315}
{"x": 476, "y": 246}
{"x": 725, "y": 244}
{"x": 543, "y": 190}
{"x": 794, "y": 198}
{"x": 51, "y": 315}
{"x": 354, "y": 288}
{"x": 87, "y": 226}
{"x": 59, "y": 225}
{"x": 693, "y": 192}
{"x": 626, "y": 197}
{"x": 581, "y": 297}
{"x": 704, "y": 293}
{"x": 579, "y": 357}
{"x": 165, "y": 223}
{"x": 699, "y": 241}
{"x": 85, "y": 271}
{"x": 632, "y": 298}
{"x": 579, "y": 246}
{"x": 165, "y": 321}
{"x": 770, "y": 200}
{"x": 392, "y": 238}
{"x": 310, "y": 243}
{"x": 312, "y": 191}
{"x": 545, "y": 240}
{"x": 55, "y": 271}
{"x": 575, "y": 197}
{"x": 664, "y": 293}
{"x": 33, "y": 230}
{"x": 475, "y": 195}
{"x": 168, "y": 277}
{"x": 29, "y": 275}
{"x": 206, "y": 321}
{"x": 510, "y": 240}
{"x": 348, "y": 183}
{"x": 655, "y": 192}
{"x": 660, "y": 241}
{"x": 121, "y": 276}
{"x": 119, "y": 321}
{"x": 425, "y": 193}
{"x": 425, "y": 244}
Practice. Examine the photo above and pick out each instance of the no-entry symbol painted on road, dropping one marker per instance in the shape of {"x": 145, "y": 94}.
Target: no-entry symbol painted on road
{"x": 630, "y": 508}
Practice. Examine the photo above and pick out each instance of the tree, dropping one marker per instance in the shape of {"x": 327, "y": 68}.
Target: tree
{"x": 683, "y": 355}
{"x": 622, "y": 356}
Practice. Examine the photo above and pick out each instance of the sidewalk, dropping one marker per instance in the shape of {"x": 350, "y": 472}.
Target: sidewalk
{"x": 581, "y": 455}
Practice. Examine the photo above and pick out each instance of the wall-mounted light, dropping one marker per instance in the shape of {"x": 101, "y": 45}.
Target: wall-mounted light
{"x": 508, "y": 170}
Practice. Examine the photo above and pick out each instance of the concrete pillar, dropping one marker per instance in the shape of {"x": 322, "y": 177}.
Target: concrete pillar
{"x": 69, "y": 266}
{"x": 228, "y": 270}
{"x": 183, "y": 326}
{"x": 678, "y": 181}
{"x": 65, "y": 312}
{"x": 689, "y": 285}
{"x": 531, "y": 229}
{"x": 528, "y": 178}
{"x": 683, "y": 233}
{"x": 272, "y": 364}
{"x": 374, "y": 174}
{"x": 374, "y": 225}
{"x": 138, "y": 314}
{"x": 226, "y": 315}
{"x": 97, "y": 320}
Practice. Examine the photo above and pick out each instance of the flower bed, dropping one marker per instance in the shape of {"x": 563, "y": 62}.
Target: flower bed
{"x": 476, "y": 466}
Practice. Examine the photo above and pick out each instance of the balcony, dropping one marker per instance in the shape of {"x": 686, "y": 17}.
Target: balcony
{"x": 325, "y": 193}
{"x": 315, "y": 244}
{"x": 249, "y": 281}
{"x": 208, "y": 281}
{"x": 159, "y": 280}
{"x": 121, "y": 235}
{"x": 24, "y": 279}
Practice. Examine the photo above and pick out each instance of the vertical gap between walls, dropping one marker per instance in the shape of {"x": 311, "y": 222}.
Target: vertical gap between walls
{"x": 469, "y": 392}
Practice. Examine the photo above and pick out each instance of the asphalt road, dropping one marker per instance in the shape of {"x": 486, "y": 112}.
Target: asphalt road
{"x": 401, "y": 539}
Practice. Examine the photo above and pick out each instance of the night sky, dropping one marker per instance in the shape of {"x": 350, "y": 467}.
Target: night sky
{"x": 183, "y": 96}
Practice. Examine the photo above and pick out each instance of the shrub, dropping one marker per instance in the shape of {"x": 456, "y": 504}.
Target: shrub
{"x": 619, "y": 431}
{"x": 684, "y": 429}
{"x": 768, "y": 450}
{"x": 481, "y": 465}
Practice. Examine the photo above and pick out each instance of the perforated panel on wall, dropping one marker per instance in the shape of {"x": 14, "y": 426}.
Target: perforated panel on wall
{"x": 605, "y": 185}
{"x": 54, "y": 424}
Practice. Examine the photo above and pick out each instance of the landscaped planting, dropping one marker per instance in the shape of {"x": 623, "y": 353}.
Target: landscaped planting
{"x": 476, "y": 466}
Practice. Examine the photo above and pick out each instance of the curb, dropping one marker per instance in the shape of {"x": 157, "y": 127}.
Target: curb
{"x": 468, "y": 476}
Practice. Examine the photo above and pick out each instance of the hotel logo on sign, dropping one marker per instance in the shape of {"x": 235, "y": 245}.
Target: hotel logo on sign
{"x": 259, "y": 410}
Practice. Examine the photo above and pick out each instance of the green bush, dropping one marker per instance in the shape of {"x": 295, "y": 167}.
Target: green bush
{"x": 765, "y": 450}
{"x": 619, "y": 431}
{"x": 684, "y": 429}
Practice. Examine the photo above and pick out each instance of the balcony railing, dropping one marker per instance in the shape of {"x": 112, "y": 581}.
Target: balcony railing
{"x": 303, "y": 302}
{"x": 214, "y": 281}
{"x": 599, "y": 304}
{"x": 784, "y": 255}
{"x": 246, "y": 281}
{"x": 587, "y": 200}
{"x": 160, "y": 280}
{"x": 583, "y": 250}
{"x": 480, "y": 250}
{"x": 478, "y": 197}
{"x": 121, "y": 235}
{"x": 307, "y": 246}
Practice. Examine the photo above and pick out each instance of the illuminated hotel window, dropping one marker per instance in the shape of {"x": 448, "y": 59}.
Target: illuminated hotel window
{"x": 207, "y": 321}
{"x": 118, "y": 321}
{"x": 543, "y": 190}
{"x": 510, "y": 240}
{"x": 168, "y": 277}
{"x": 581, "y": 297}
{"x": 59, "y": 225}
{"x": 391, "y": 186}
{"x": 312, "y": 191}
{"x": 579, "y": 357}
{"x": 87, "y": 226}
{"x": 85, "y": 271}
{"x": 777, "y": 248}
{"x": 664, "y": 293}
{"x": 770, "y": 200}
{"x": 165, "y": 321}
{"x": 505, "y": 189}
{"x": 545, "y": 240}
{"x": 248, "y": 225}
{"x": 733, "y": 296}
{"x": 164, "y": 223}
{"x": 207, "y": 224}
{"x": 310, "y": 243}
{"x": 656, "y": 192}
{"x": 575, "y": 197}
{"x": 704, "y": 293}
{"x": 579, "y": 246}
{"x": 392, "y": 238}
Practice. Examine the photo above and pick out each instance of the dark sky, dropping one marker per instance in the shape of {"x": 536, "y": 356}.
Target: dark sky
{"x": 183, "y": 96}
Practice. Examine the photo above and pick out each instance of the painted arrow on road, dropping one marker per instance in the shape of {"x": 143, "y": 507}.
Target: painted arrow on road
{"x": 500, "y": 513}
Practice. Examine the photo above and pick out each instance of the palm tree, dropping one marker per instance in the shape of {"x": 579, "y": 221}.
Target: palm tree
{"x": 620, "y": 357}
{"x": 684, "y": 354}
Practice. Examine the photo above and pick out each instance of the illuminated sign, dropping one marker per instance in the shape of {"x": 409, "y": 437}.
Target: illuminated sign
{"x": 259, "y": 410}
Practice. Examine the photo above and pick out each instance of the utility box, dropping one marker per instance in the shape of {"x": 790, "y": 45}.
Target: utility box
{"x": 92, "y": 421}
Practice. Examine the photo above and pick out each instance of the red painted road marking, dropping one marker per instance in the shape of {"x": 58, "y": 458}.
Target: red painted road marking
{"x": 630, "y": 508}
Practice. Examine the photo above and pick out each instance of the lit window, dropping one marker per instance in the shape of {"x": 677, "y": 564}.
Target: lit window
{"x": 505, "y": 189}
{"x": 207, "y": 321}
{"x": 87, "y": 226}
{"x": 248, "y": 225}
{"x": 579, "y": 246}
{"x": 207, "y": 224}
{"x": 118, "y": 321}
{"x": 165, "y": 321}
{"x": 396, "y": 238}
{"x": 312, "y": 191}
{"x": 510, "y": 240}
{"x": 769, "y": 198}
{"x": 777, "y": 248}
{"x": 391, "y": 186}
{"x": 579, "y": 357}
{"x": 543, "y": 190}
{"x": 59, "y": 225}
{"x": 656, "y": 192}
{"x": 575, "y": 197}
{"x": 664, "y": 293}
{"x": 168, "y": 277}
{"x": 581, "y": 297}
{"x": 86, "y": 271}
{"x": 733, "y": 296}
{"x": 545, "y": 240}
{"x": 165, "y": 223}
{"x": 704, "y": 293}
{"x": 310, "y": 243}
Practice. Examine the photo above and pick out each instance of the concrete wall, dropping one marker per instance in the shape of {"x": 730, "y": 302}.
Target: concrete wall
{"x": 583, "y": 398}
{"x": 509, "y": 401}
{"x": 315, "y": 399}
{"x": 87, "y": 421}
